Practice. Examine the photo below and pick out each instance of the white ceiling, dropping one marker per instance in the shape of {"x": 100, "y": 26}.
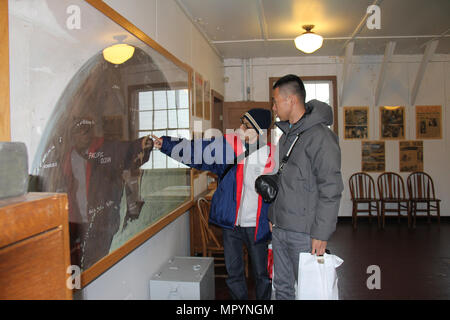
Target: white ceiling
{"x": 266, "y": 28}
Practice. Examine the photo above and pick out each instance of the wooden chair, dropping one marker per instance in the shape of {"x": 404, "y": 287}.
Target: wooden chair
{"x": 421, "y": 191}
{"x": 391, "y": 190}
{"x": 362, "y": 191}
{"x": 212, "y": 247}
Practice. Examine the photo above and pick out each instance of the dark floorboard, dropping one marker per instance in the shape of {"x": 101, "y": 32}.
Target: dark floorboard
{"x": 414, "y": 263}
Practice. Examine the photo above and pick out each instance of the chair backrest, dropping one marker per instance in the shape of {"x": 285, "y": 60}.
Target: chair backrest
{"x": 420, "y": 186}
{"x": 203, "y": 206}
{"x": 362, "y": 186}
{"x": 391, "y": 186}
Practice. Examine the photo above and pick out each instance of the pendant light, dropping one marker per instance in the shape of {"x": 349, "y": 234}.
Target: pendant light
{"x": 118, "y": 53}
{"x": 308, "y": 42}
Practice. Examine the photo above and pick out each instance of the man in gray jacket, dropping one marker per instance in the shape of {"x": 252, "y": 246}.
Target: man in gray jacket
{"x": 304, "y": 214}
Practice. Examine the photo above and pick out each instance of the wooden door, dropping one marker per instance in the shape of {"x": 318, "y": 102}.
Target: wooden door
{"x": 233, "y": 111}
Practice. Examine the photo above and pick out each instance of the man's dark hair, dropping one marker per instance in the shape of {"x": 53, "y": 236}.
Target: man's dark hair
{"x": 294, "y": 85}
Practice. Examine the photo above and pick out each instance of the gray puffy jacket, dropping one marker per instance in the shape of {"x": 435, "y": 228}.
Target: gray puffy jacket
{"x": 311, "y": 183}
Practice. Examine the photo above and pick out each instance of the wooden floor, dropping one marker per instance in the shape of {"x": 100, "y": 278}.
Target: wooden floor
{"x": 413, "y": 263}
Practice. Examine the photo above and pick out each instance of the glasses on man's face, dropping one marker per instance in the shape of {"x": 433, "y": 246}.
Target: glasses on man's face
{"x": 245, "y": 124}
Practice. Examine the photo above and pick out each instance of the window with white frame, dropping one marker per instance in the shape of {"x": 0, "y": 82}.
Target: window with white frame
{"x": 163, "y": 113}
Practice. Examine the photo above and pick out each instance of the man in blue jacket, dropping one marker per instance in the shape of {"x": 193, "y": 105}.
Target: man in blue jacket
{"x": 235, "y": 206}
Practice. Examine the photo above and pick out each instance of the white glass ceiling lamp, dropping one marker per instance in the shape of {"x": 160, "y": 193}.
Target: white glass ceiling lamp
{"x": 308, "y": 42}
{"x": 118, "y": 53}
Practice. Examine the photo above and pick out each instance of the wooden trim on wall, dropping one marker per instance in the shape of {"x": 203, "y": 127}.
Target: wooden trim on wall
{"x": 5, "y": 115}
{"x": 335, "y": 106}
{"x": 107, "y": 262}
{"x": 127, "y": 25}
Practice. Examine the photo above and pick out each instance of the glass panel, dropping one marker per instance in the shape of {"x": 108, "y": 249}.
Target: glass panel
{"x": 184, "y": 98}
{"x": 171, "y": 104}
{"x": 183, "y": 118}
{"x": 101, "y": 109}
{"x": 145, "y": 120}
{"x": 160, "y": 119}
{"x": 160, "y": 100}
{"x": 184, "y": 134}
{"x": 159, "y": 160}
{"x": 173, "y": 119}
{"x": 146, "y": 100}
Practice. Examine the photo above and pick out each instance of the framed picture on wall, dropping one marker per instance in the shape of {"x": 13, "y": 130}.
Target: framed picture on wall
{"x": 428, "y": 122}
{"x": 411, "y": 156}
{"x": 356, "y": 123}
{"x": 373, "y": 157}
{"x": 392, "y": 122}
{"x": 207, "y": 100}
{"x": 198, "y": 95}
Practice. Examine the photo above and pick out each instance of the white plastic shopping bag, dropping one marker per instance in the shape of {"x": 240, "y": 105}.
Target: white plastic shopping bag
{"x": 317, "y": 278}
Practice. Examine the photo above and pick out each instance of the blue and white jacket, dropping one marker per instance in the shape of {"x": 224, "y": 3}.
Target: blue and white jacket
{"x": 226, "y": 200}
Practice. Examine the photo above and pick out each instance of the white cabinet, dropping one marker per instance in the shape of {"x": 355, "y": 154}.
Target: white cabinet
{"x": 184, "y": 278}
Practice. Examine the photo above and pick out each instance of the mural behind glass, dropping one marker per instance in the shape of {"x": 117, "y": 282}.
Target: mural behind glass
{"x": 98, "y": 115}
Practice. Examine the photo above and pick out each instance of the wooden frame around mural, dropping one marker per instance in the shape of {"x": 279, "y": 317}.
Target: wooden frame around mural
{"x": 356, "y": 123}
{"x": 112, "y": 258}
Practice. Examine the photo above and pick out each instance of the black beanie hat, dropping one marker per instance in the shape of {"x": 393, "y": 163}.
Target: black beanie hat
{"x": 260, "y": 119}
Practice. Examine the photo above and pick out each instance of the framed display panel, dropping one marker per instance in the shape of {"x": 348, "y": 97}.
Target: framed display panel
{"x": 207, "y": 100}
{"x": 373, "y": 158}
{"x": 356, "y": 123}
{"x": 198, "y": 95}
{"x": 428, "y": 122}
{"x": 392, "y": 123}
{"x": 411, "y": 156}
{"x": 91, "y": 124}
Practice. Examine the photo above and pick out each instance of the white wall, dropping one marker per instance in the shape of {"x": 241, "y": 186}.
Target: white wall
{"x": 360, "y": 91}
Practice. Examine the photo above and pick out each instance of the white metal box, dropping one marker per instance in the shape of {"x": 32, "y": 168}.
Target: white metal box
{"x": 184, "y": 278}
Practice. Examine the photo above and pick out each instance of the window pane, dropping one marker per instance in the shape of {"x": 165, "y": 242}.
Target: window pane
{"x": 183, "y": 118}
{"x": 145, "y": 120}
{"x": 146, "y": 100}
{"x": 183, "y": 98}
{"x": 310, "y": 91}
{"x": 144, "y": 133}
{"x": 160, "y": 100}
{"x": 160, "y": 133}
{"x": 160, "y": 119}
{"x": 172, "y": 118}
{"x": 323, "y": 92}
{"x": 171, "y": 99}
{"x": 184, "y": 134}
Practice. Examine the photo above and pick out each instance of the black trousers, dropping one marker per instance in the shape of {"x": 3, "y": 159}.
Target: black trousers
{"x": 233, "y": 241}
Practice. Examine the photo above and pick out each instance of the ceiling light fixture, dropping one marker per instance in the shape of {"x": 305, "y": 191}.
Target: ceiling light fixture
{"x": 118, "y": 53}
{"x": 308, "y": 42}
